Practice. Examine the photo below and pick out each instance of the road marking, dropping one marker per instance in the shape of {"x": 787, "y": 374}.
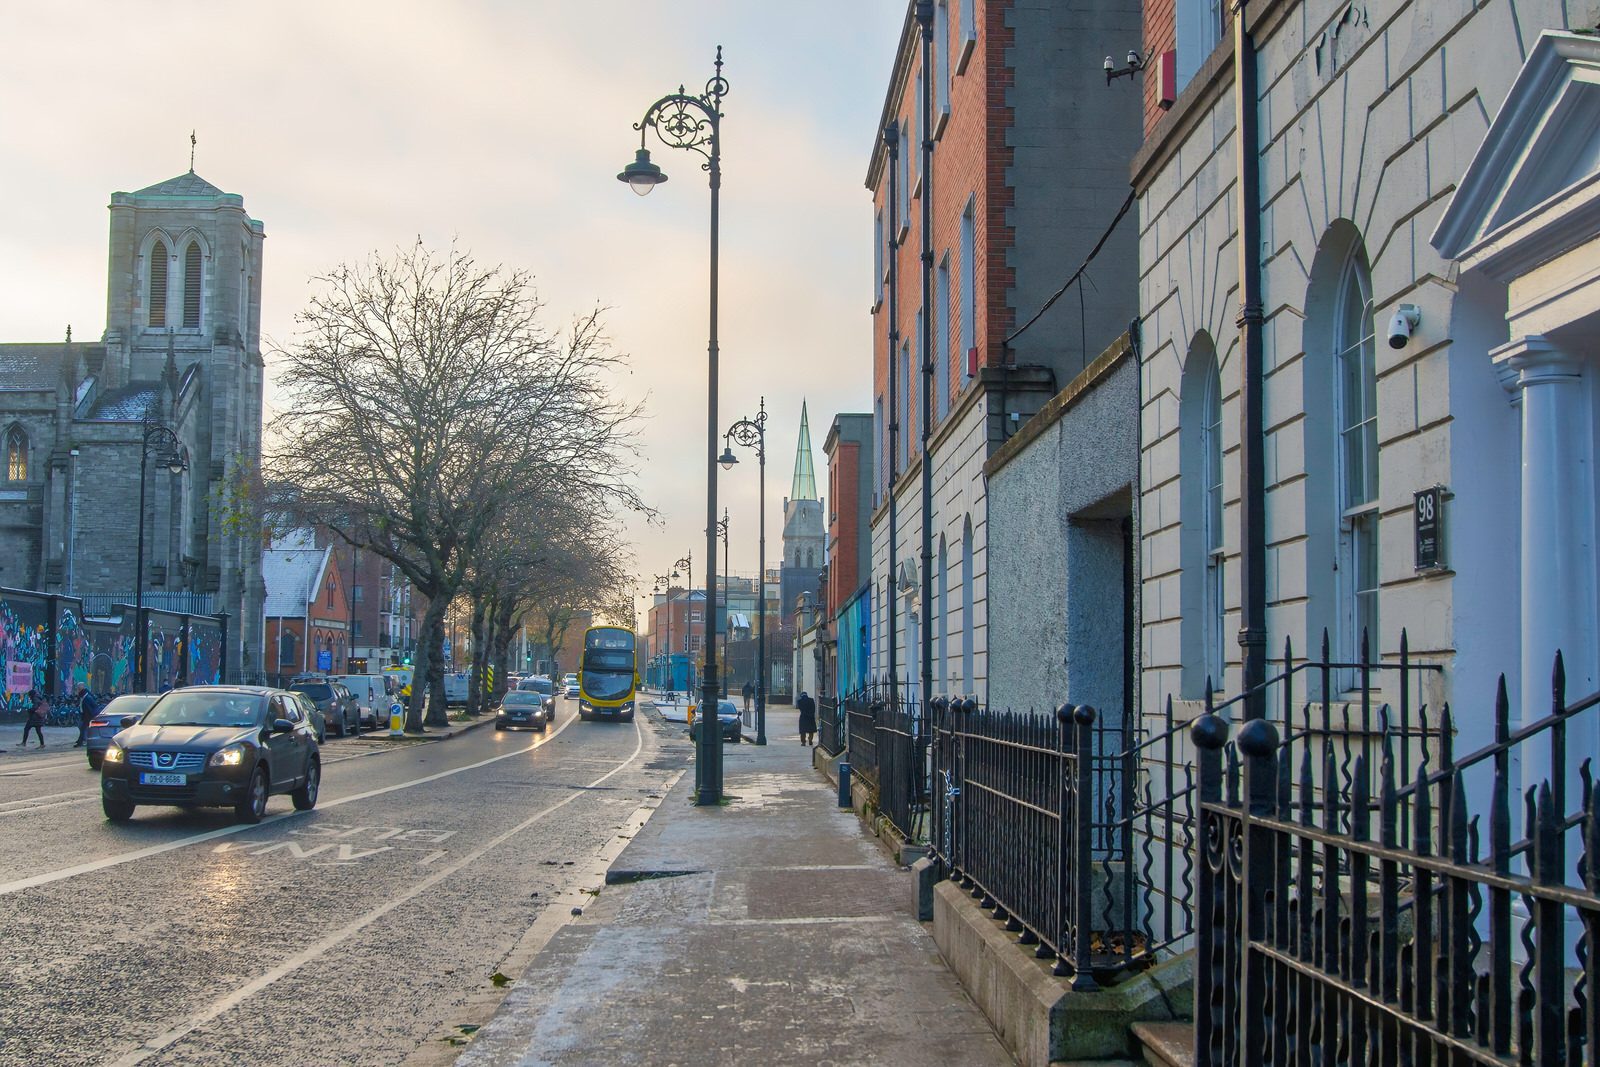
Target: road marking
{"x": 47, "y": 807}
{"x": 163, "y": 1041}
{"x": 47, "y": 796}
{"x": 91, "y": 867}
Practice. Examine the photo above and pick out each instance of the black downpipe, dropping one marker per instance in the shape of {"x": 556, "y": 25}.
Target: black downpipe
{"x": 925, "y": 20}
{"x": 891, "y": 138}
{"x": 1253, "y": 547}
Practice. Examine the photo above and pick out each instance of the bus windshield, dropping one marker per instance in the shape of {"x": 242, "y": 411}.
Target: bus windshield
{"x": 608, "y": 664}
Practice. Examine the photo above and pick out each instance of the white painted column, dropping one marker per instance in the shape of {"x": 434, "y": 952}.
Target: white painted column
{"x": 1558, "y": 566}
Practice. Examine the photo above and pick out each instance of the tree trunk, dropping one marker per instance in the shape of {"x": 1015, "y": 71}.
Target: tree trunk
{"x": 427, "y": 679}
{"x": 475, "y": 693}
{"x": 438, "y": 710}
{"x": 500, "y": 647}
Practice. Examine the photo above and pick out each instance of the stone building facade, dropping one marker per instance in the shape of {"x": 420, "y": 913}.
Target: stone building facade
{"x": 805, "y": 533}
{"x": 1386, "y": 366}
{"x": 1023, "y": 179}
{"x": 181, "y": 348}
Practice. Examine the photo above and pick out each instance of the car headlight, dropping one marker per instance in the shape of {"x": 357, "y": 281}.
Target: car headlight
{"x": 114, "y": 754}
{"x": 231, "y": 756}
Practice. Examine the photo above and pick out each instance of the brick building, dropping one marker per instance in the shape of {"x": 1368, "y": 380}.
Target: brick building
{"x": 307, "y": 625}
{"x": 181, "y": 348}
{"x": 848, "y": 447}
{"x": 1022, "y": 182}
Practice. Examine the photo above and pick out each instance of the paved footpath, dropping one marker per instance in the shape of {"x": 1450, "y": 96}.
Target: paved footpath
{"x": 771, "y": 930}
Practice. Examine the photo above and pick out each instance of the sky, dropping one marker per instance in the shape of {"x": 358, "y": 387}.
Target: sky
{"x": 351, "y": 126}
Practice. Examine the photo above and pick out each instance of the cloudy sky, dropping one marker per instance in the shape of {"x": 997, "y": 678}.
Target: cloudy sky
{"x": 352, "y": 126}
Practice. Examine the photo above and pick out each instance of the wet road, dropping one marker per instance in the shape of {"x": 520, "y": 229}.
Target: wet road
{"x": 356, "y": 933}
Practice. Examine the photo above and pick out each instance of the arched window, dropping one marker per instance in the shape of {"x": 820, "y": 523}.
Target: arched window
{"x": 158, "y": 283}
{"x": 1356, "y": 421}
{"x": 287, "y": 652}
{"x": 191, "y": 286}
{"x": 16, "y": 455}
{"x": 966, "y": 607}
{"x": 1202, "y": 589}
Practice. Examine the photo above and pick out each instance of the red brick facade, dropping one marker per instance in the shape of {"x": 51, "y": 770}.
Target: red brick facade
{"x": 971, "y": 160}
{"x": 1160, "y": 37}
{"x": 844, "y": 529}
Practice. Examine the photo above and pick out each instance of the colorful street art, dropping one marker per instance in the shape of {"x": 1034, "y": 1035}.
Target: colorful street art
{"x": 102, "y": 654}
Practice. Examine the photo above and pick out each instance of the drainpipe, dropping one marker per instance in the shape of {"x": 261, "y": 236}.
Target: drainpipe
{"x": 925, "y": 20}
{"x": 891, "y": 138}
{"x": 1253, "y": 546}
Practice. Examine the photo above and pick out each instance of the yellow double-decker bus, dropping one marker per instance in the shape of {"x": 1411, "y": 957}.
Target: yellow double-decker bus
{"x": 608, "y": 676}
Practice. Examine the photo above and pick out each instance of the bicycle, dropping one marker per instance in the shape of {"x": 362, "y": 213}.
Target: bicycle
{"x": 63, "y": 712}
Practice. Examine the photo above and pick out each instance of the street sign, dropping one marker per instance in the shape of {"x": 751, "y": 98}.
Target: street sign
{"x": 19, "y": 676}
{"x": 1428, "y": 518}
{"x": 324, "y": 659}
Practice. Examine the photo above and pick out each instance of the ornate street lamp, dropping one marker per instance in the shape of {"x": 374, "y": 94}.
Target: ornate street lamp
{"x": 711, "y": 624}
{"x": 752, "y": 433}
{"x": 686, "y": 565}
{"x": 695, "y": 123}
{"x": 158, "y": 438}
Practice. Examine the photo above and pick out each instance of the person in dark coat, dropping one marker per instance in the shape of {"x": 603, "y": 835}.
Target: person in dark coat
{"x": 808, "y": 718}
{"x": 749, "y": 691}
{"x": 38, "y": 708}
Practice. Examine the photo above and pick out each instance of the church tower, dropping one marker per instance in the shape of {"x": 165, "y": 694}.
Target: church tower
{"x": 804, "y": 528}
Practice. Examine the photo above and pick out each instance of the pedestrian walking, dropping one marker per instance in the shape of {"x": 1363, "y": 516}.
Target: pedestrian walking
{"x": 87, "y": 706}
{"x": 38, "y": 708}
{"x": 808, "y": 718}
{"x": 749, "y": 691}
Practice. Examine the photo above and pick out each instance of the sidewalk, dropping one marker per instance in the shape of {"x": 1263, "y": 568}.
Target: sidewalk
{"x": 771, "y": 930}
{"x": 57, "y": 739}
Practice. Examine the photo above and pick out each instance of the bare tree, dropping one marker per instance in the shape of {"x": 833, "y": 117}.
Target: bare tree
{"x": 425, "y": 397}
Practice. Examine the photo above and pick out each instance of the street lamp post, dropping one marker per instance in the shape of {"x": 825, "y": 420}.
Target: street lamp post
{"x": 153, "y": 436}
{"x": 686, "y": 564}
{"x": 664, "y": 583}
{"x": 752, "y": 433}
{"x": 695, "y": 123}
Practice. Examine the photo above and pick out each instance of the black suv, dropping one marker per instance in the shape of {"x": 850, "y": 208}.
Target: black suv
{"x": 217, "y": 746}
{"x": 340, "y": 709}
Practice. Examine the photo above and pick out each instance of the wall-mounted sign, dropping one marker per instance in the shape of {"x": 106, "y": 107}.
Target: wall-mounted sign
{"x": 324, "y": 659}
{"x": 19, "y": 676}
{"x": 1427, "y": 514}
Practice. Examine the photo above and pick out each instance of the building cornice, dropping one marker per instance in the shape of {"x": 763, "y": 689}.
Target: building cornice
{"x": 905, "y": 57}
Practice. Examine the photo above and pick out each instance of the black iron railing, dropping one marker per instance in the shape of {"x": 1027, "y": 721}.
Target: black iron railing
{"x": 861, "y": 723}
{"x": 830, "y": 726}
{"x": 1369, "y": 917}
{"x": 902, "y": 757}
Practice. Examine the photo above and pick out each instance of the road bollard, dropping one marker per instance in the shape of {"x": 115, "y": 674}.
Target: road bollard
{"x": 397, "y": 719}
{"x": 844, "y": 785}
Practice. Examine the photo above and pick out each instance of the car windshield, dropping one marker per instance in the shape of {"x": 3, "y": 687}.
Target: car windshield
{"x": 523, "y": 698}
{"x": 199, "y": 708}
{"x": 314, "y": 690}
{"x": 607, "y": 685}
{"x": 534, "y": 685}
{"x": 127, "y": 704}
{"x": 725, "y": 709}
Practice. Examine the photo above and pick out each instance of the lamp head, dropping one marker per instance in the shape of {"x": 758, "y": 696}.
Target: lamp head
{"x": 177, "y": 462}
{"x": 728, "y": 459}
{"x": 642, "y": 175}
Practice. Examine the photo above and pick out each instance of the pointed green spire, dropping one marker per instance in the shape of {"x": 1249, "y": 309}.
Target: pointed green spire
{"x": 805, "y": 477}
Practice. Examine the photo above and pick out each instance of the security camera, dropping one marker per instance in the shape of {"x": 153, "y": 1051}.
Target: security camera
{"x": 1406, "y": 318}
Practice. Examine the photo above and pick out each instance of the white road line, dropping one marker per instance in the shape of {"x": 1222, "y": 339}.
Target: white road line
{"x": 167, "y": 1039}
{"x": 46, "y": 807}
{"x": 211, "y": 835}
{"x": 47, "y": 796}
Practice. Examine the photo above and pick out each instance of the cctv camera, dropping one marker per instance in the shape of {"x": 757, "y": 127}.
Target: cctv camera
{"x": 1406, "y": 318}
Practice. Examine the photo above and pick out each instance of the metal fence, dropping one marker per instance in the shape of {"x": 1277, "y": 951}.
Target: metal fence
{"x": 861, "y": 725}
{"x": 887, "y": 743}
{"x": 1360, "y": 919}
{"x": 830, "y": 726}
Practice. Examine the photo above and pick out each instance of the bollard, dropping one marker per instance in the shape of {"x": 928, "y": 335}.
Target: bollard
{"x": 397, "y": 719}
{"x": 844, "y": 785}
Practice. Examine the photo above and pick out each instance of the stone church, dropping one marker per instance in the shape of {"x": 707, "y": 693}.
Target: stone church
{"x": 805, "y": 534}
{"x": 181, "y": 350}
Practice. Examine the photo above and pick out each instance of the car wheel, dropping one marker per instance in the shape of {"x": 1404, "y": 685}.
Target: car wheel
{"x": 116, "y": 809}
{"x": 254, "y": 804}
{"x": 322, "y": 736}
{"x": 95, "y": 759}
{"x": 628, "y": 717}
{"x": 305, "y": 798}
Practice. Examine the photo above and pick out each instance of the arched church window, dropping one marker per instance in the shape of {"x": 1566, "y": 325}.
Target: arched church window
{"x": 16, "y": 455}
{"x": 286, "y": 648}
{"x": 158, "y": 284}
{"x": 191, "y": 286}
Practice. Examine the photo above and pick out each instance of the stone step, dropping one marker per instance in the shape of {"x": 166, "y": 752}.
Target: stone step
{"x": 1168, "y": 1044}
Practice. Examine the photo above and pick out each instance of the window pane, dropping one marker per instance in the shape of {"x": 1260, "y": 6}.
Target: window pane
{"x": 158, "y": 284}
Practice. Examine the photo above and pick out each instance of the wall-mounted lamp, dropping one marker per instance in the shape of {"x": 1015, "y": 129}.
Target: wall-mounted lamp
{"x": 1136, "y": 63}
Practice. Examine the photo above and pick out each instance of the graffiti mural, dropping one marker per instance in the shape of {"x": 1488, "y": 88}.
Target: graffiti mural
{"x": 163, "y": 655}
{"x": 24, "y": 637}
{"x": 205, "y": 652}
{"x": 74, "y": 650}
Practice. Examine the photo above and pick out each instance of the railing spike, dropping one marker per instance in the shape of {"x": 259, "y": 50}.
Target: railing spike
{"x": 1326, "y": 655}
{"x": 1558, "y": 683}
{"x": 1447, "y": 747}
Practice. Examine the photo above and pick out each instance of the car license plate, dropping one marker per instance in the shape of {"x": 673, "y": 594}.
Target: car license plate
{"x": 163, "y": 779}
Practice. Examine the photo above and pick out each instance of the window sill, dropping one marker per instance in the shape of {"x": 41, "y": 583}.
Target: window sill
{"x": 941, "y": 120}
{"x": 968, "y": 44}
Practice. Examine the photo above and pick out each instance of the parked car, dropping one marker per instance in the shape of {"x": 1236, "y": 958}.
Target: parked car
{"x": 213, "y": 746}
{"x": 107, "y": 722}
{"x": 522, "y": 708}
{"x": 337, "y": 704}
{"x": 374, "y": 693}
{"x": 727, "y": 721}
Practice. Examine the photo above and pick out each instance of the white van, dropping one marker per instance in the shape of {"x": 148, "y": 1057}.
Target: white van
{"x": 455, "y": 688}
{"x": 374, "y": 692}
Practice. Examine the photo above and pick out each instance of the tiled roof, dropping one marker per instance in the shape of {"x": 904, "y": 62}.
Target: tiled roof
{"x": 190, "y": 184}
{"x": 127, "y": 404}
{"x": 38, "y": 366}
{"x": 289, "y": 575}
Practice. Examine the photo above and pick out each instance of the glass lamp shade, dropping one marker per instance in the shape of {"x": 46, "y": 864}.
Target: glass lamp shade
{"x": 728, "y": 459}
{"x": 642, "y": 175}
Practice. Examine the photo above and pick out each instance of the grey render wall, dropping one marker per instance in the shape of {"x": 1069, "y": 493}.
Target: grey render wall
{"x": 1072, "y": 137}
{"x": 1055, "y": 594}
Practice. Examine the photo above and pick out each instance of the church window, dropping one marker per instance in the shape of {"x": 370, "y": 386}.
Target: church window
{"x": 158, "y": 284}
{"x": 286, "y": 648}
{"x": 191, "y": 286}
{"x": 16, "y": 455}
